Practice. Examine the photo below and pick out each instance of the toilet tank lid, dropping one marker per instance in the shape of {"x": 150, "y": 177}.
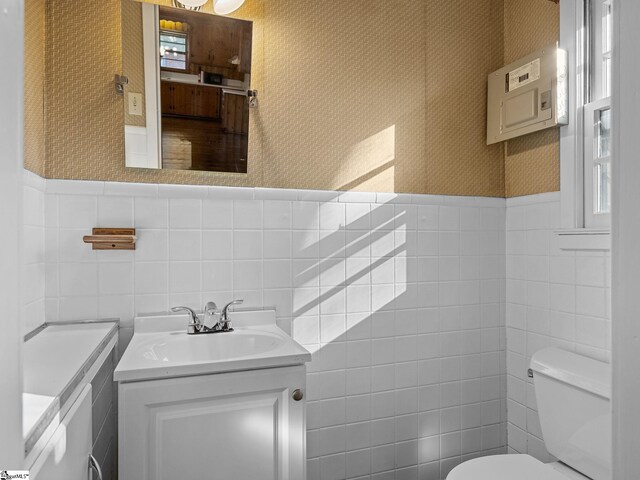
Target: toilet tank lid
{"x": 576, "y": 370}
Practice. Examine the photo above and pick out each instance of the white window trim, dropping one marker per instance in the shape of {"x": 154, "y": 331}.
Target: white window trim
{"x": 591, "y": 111}
{"x": 625, "y": 283}
{"x": 573, "y": 235}
{"x": 584, "y": 239}
{"x": 153, "y": 112}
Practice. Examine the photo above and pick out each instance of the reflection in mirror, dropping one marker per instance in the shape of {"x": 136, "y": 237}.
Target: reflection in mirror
{"x": 186, "y": 101}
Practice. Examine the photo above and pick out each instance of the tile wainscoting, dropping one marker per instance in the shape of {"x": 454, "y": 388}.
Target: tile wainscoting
{"x": 400, "y": 298}
{"x": 554, "y": 297}
{"x": 32, "y": 259}
{"x": 420, "y": 340}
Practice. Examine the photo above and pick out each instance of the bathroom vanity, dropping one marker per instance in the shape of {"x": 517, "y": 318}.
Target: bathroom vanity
{"x": 217, "y": 406}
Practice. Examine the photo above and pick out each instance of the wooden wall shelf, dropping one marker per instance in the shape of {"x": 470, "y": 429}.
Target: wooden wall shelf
{"x": 112, "y": 239}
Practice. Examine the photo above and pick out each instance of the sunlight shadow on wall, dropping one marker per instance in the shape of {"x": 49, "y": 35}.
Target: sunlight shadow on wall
{"x": 370, "y": 164}
{"x": 359, "y": 270}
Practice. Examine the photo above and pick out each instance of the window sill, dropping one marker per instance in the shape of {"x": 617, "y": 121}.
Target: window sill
{"x": 584, "y": 239}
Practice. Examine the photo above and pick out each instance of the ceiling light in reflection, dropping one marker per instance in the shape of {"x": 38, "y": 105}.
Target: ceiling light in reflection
{"x": 225, "y": 7}
{"x": 189, "y": 4}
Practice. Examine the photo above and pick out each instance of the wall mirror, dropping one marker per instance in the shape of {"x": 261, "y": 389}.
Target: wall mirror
{"x": 187, "y": 88}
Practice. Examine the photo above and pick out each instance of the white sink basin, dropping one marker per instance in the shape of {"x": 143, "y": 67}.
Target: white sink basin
{"x": 180, "y": 347}
{"x": 161, "y": 348}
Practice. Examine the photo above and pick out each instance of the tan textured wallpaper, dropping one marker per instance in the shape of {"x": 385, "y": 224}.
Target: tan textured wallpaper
{"x": 344, "y": 101}
{"x": 345, "y": 95}
{"x": 532, "y": 162}
{"x": 34, "y": 42}
{"x": 464, "y": 40}
{"x": 133, "y": 57}
{"x": 362, "y": 95}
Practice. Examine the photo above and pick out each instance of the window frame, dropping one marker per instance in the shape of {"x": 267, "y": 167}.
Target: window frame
{"x": 575, "y": 232}
{"x": 162, "y": 32}
{"x": 597, "y": 70}
{"x": 591, "y": 158}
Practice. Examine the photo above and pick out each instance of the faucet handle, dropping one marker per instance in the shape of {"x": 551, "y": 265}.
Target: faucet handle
{"x": 225, "y": 310}
{"x": 194, "y": 315}
{"x": 224, "y": 324}
{"x": 195, "y": 325}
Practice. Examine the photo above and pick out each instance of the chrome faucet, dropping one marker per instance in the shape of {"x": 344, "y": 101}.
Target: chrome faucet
{"x": 195, "y": 325}
{"x": 210, "y": 310}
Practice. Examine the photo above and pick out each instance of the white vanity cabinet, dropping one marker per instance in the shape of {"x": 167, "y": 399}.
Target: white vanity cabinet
{"x": 244, "y": 425}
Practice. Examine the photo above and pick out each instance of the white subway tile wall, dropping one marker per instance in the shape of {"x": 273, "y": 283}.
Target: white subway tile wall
{"x": 33, "y": 269}
{"x": 400, "y": 299}
{"x": 554, "y": 298}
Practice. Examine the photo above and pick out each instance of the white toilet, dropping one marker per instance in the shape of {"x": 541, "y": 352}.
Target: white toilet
{"x": 573, "y": 394}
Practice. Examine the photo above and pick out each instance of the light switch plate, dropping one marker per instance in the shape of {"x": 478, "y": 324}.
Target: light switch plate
{"x": 135, "y": 103}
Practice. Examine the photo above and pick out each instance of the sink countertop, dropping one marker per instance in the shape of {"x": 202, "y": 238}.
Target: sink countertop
{"x": 54, "y": 356}
{"x": 34, "y": 408}
{"x": 160, "y": 348}
{"x": 55, "y": 360}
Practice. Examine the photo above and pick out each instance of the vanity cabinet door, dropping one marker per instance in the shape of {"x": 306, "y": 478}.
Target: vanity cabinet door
{"x": 233, "y": 426}
{"x": 66, "y": 454}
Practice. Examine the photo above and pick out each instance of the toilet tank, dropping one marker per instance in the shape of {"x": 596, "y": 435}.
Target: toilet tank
{"x": 573, "y": 394}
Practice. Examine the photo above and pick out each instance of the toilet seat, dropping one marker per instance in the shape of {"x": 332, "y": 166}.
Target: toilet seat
{"x": 505, "y": 467}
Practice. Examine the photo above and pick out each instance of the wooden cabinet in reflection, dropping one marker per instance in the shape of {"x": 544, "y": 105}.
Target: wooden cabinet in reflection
{"x": 207, "y": 102}
{"x": 235, "y": 114}
{"x": 185, "y": 100}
